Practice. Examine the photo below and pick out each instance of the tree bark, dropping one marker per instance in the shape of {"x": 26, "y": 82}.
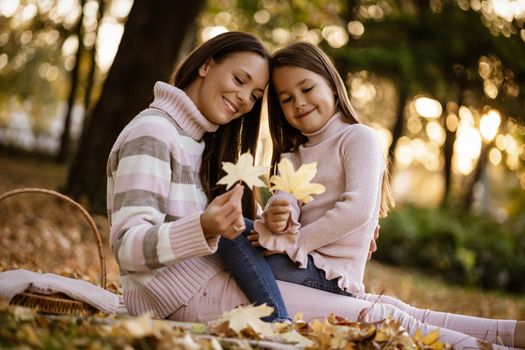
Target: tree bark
{"x": 65, "y": 139}
{"x": 480, "y": 168}
{"x": 151, "y": 41}
{"x": 448, "y": 152}
{"x": 397, "y": 129}
{"x": 93, "y": 65}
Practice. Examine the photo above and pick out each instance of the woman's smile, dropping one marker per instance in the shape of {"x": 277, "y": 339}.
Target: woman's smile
{"x": 229, "y": 106}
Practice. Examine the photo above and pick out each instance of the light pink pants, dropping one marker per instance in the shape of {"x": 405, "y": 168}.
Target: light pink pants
{"x": 222, "y": 294}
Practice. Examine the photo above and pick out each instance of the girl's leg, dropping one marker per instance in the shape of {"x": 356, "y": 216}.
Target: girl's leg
{"x": 491, "y": 330}
{"x": 284, "y": 269}
{"x": 318, "y": 304}
{"x": 252, "y": 273}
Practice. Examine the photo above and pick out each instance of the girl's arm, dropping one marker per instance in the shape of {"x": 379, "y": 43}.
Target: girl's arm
{"x": 287, "y": 238}
{"x": 364, "y": 167}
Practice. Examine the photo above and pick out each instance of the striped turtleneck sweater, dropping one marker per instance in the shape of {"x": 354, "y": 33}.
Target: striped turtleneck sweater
{"x": 155, "y": 200}
{"x": 337, "y": 226}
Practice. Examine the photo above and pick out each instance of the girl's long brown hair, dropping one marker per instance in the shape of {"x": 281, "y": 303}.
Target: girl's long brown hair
{"x": 285, "y": 137}
{"x": 239, "y": 135}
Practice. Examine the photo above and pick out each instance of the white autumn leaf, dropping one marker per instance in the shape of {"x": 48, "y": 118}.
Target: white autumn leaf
{"x": 297, "y": 183}
{"x": 139, "y": 327}
{"x": 296, "y": 338}
{"x": 244, "y": 170}
{"x": 186, "y": 342}
{"x": 248, "y": 316}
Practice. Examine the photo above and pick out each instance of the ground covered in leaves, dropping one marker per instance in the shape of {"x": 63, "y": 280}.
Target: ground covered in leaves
{"x": 241, "y": 328}
{"x": 41, "y": 233}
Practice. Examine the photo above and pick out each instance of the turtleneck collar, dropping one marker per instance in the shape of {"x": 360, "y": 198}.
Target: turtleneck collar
{"x": 332, "y": 127}
{"x": 181, "y": 108}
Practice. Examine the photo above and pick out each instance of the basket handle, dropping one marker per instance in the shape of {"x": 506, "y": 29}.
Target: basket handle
{"x": 84, "y": 213}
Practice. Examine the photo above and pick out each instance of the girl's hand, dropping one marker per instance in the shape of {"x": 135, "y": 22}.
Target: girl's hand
{"x": 223, "y": 216}
{"x": 253, "y": 237}
{"x": 373, "y": 244}
{"x": 277, "y": 215}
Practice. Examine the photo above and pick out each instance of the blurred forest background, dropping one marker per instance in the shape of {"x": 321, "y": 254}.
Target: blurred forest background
{"x": 442, "y": 82}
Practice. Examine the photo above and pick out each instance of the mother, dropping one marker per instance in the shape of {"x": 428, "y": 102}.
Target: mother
{"x": 163, "y": 169}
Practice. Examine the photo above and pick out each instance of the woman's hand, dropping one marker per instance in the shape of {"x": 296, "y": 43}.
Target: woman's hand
{"x": 253, "y": 237}
{"x": 223, "y": 216}
{"x": 277, "y": 215}
{"x": 373, "y": 244}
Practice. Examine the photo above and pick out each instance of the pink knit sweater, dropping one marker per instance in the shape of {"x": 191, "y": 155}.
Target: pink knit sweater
{"x": 337, "y": 226}
{"x": 155, "y": 199}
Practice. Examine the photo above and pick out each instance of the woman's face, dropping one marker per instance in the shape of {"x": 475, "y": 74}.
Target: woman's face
{"x": 229, "y": 88}
{"x": 305, "y": 97}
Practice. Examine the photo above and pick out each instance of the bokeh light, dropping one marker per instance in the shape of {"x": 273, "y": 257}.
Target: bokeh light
{"x": 110, "y": 32}
{"x": 8, "y": 7}
{"x": 335, "y": 36}
{"x": 428, "y": 107}
{"x": 262, "y": 16}
{"x": 435, "y": 133}
{"x": 452, "y": 122}
{"x": 495, "y": 156}
{"x": 489, "y": 125}
{"x": 211, "y": 32}
{"x": 467, "y": 148}
{"x": 355, "y": 28}
{"x": 508, "y": 9}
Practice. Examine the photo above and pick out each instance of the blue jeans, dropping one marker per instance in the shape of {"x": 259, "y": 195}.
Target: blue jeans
{"x": 252, "y": 273}
{"x": 256, "y": 275}
{"x": 285, "y": 269}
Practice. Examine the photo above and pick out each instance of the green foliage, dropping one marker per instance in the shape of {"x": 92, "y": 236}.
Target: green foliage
{"x": 461, "y": 247}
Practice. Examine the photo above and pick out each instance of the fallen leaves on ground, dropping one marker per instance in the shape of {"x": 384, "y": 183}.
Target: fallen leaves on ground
{"x": 237, "y": 329}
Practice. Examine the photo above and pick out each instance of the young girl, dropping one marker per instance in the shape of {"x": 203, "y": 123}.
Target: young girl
{"x": 312, "y": 120}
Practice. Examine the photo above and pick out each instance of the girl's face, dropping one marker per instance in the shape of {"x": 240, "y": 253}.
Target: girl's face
{"x": 230, "y": 88}
{"x": 306, "y": 99}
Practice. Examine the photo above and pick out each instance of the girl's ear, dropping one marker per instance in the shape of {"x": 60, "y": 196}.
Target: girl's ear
{"x": 203, "y": 70}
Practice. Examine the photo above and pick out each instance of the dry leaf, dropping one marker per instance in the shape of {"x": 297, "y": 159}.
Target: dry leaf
{"x": 143, "y": 326}
{"x": 245, "y": 319}
{"x": 244, "y": 170}
{"x": 295, "y": 338}
{"x": 430, "y": 341}
{"x": 187, "y": 343}
{"x": 297, "y": 183}
{"x": 483, "y": 345}
{"x": 298, "y": 317}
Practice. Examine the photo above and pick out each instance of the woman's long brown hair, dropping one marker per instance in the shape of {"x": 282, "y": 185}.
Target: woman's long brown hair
{"x": 285, "y": 137}
{"x": 239, "y": 135}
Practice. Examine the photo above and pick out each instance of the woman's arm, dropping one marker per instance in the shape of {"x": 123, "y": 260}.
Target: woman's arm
{"x": 142, "y": 184}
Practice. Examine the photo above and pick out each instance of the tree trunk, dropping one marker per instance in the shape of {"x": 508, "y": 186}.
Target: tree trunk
{"x": 65, "y": 139}
{"x": 397, "y": 129}
{"x": 480, "y": 168}
{"x": 151, "y": 41}
{"x": 93, "y": 65}
{"x": 448, "y": 152}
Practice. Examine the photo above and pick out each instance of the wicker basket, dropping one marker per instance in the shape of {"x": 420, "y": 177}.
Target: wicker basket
{"x": 60, "y": 303}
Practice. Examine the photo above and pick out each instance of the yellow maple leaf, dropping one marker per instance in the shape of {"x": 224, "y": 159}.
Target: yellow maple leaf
{"x": 245, "y": 318}
{"x": 297, "y": 183}
{"x": 430, "y": 341}
{"x": 243, "y": 170}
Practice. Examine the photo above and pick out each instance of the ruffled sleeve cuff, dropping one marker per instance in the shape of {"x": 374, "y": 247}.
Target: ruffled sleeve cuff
{"x": 300, "y": 257}
{"x": 285, "y": 241}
